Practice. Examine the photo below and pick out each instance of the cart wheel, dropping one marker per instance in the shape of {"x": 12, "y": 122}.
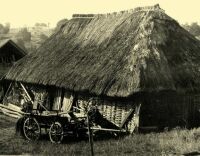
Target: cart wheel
{"x": 31, "y": 129}
{"x": 56, "y": 133}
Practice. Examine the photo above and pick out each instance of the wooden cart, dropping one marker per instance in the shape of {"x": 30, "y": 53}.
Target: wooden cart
{"x": 76, "y": 121}
{"x": 60, "y": 124}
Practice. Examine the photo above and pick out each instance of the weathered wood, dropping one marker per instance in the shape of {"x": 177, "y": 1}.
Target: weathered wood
{"x": 26, "y": 92}
{"x": 67, "y": 102}
{"x": 7, "y": 92}
{"x": 90, "y": 136}
{"x": 126, "y": 117}
{"x": 57, "y": 100}
{"x": 30, "y": 97}
{"x": 135, "y": 119}
{"x": 107, "y": 129}
{"x": 10, "y": 109}
{"x": 11, "y": 113}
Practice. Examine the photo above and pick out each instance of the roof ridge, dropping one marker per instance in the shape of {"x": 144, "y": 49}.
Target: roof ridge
{"x": 130, "y": 11}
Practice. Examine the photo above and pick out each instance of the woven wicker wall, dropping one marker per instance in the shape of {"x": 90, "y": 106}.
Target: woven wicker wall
{"x": 114, "y": 111}
{"x": 117, "y": 111}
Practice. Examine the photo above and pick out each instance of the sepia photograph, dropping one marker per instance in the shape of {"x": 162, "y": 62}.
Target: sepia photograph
{"x": 99, "y": 78}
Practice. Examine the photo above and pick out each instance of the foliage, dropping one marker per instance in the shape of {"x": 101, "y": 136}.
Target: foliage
{"x": 28, "y": 38}
{"x": 194, "y": 28}
{"x": 61, "y": 23}
{"x": 21, "y": 43}
{"x": 24, "y": 34}
{"x": 41, "y": 25}
{"x": 4, "y": 29}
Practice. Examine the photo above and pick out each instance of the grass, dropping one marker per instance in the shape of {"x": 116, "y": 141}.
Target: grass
{"x": 175, "y": 142}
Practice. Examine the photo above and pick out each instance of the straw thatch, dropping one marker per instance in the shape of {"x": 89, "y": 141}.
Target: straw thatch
{"x": 116, "y": 54}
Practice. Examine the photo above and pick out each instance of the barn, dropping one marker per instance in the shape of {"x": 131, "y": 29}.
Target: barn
{"x": 9, "y": 54}
{"x": 134, "y": 62}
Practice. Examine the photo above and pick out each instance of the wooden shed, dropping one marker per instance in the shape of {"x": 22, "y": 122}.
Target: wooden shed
{"x": 9, "y": 54}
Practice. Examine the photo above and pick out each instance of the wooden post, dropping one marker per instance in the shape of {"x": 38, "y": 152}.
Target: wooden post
{"x": 26, "y": 92}
{"x": 90, "y": 136}
{"x": 30, "y": 97}
{"x": 6, "y": 94}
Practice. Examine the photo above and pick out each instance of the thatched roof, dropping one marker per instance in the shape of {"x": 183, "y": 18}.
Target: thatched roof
{"x": 117, "y": 54}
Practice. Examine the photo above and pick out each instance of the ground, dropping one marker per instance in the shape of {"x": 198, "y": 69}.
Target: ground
{"x": 174, "y": 142}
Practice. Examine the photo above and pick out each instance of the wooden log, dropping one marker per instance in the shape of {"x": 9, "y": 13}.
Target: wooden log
{"x": 14, "y": 107}
{"x": 11, "y": 113}
{"x": 10, "y": 109}
{"x": 107, "y": 129}
{"x": 26, "y": 92}
{"x": 4, "y": 99}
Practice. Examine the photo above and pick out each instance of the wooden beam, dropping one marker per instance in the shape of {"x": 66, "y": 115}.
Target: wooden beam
{"x": 107, "y": 129}
{"x": 6, "y": 107}
{"x": 90, "y": 136}
{"x": 26, "y": 92}
{"x": 30, "y": 97}
{"x": 7, "y": 92}
{"x": 126, "y": 117}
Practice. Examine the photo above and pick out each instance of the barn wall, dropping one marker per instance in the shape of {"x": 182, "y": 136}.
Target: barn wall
{"x": 170, "y": 110}
{"x": 160, "y": 110}
{"x": 193, "y": 102}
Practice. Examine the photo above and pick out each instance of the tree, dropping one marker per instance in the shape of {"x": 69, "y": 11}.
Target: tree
{"x": 7, "y": 28}
{"x": 186, "y": 26}
{"x": 4, "y": 29}
{"x": 1, "y": 29}
{"x": 194, "y": 28}
{"x": 21, "y": 43}
{"x": 61, "y": 23}
{"x": 40, "y": 25}
{"x": 24, "y": 34}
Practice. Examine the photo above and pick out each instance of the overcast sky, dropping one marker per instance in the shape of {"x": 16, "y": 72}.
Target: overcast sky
{"x": 27, "y": 12}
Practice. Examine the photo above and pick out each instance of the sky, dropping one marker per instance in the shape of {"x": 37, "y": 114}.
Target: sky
{"x": 20, "y": 13}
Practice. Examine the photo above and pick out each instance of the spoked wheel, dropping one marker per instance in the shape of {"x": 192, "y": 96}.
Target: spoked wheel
{"x": 31, "y": 129}
{"x": 56, "y": 133}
